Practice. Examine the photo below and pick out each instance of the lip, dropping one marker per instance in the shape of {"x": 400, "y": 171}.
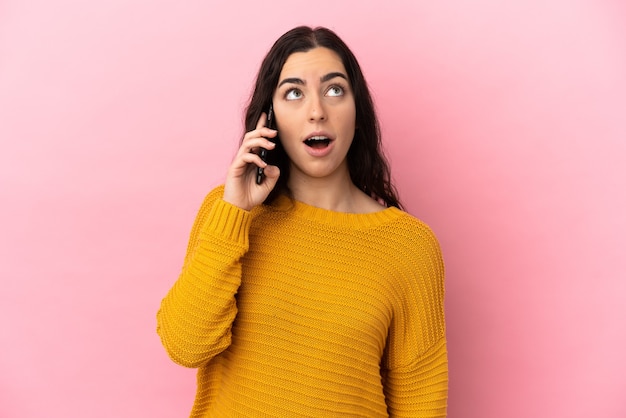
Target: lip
{"x": 319, "y": 152}
{"x": 319, "y": 133}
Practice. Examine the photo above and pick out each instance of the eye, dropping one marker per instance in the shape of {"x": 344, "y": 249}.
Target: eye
{"x": 293, "y": 94}
{"x": 335, "y": 91}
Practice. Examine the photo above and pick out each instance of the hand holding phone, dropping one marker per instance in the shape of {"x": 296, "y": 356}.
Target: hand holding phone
{"x": 239, "y": 186}
{"x": 263, "y": 152}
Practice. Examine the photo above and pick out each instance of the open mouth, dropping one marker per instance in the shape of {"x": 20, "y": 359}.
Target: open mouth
{"x": 317, "y": 142}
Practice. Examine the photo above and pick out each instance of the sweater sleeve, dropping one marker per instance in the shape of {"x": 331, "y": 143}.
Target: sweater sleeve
{"x": 195, "y": 317}
{"x": 415, "y": 367}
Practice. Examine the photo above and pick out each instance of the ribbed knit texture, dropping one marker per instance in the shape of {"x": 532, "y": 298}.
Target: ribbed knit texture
{"x": 292, "y": 310}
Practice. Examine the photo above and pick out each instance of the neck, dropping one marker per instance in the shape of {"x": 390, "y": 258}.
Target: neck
{"x": 336, "y": 193}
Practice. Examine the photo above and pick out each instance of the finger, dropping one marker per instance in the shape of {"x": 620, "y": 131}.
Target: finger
{"x": 252, "y": 158}
{"x": 271, "y": 173}
{"x": 253, "y": 145}
{"x": 262, "y": 121}
{"x": 259, "y": 133}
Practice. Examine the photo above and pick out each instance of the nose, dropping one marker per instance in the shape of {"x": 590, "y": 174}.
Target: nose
{"x": 317, "y": 112}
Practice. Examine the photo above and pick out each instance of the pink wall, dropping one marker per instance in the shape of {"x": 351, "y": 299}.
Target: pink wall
{"x": 505, "y": 123}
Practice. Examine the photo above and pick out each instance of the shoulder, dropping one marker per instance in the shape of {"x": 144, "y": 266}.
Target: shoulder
{"x": 412, "y": 229}
{"x": 415, "y": 246}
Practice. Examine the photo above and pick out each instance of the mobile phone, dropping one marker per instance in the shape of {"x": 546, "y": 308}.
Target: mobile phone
{"x": 263, "y": 152}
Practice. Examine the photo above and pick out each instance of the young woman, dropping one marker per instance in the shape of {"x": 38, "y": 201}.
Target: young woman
{"x": 311, "y": 293}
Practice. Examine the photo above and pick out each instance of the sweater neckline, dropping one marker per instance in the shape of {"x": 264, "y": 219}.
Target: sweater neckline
{"x": 330, "y": 217}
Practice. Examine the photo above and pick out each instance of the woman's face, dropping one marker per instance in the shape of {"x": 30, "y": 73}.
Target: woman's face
{"x": 315, "y": 114}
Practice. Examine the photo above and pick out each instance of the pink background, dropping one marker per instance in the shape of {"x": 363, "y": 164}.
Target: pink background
{"x": 505, "y": 123}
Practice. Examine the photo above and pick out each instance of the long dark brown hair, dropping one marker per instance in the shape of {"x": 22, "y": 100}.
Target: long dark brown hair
{"x": 367, "y": 164}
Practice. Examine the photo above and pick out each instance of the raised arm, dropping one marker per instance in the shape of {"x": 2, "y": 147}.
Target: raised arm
{"x": 195, "y": 317}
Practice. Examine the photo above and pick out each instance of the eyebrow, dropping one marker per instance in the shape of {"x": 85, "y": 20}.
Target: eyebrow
{"x": 323, "y": 79}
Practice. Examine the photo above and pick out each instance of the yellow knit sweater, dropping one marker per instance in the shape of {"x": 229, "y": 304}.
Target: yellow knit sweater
{"x": 290, "y": 310}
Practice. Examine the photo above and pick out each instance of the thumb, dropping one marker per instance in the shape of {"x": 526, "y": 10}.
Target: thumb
{"x": 271, "y": 176}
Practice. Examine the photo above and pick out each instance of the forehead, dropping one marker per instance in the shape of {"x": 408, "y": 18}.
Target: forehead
{"x": 314, "y": 62}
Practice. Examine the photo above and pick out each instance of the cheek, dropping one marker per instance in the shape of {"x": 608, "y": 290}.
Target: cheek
{"x": 282, "y": 121}
{"x": 288, "y": 135}
{"x": 348, "y": 119}
{"x": 286, "y": 131}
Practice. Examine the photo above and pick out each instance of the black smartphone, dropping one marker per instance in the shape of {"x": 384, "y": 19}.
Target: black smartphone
{"x": 263, "y": 152}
